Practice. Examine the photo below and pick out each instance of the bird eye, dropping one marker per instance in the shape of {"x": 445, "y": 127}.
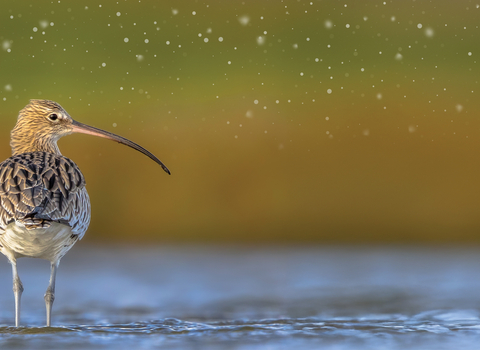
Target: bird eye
{"x": 53, "y": 116}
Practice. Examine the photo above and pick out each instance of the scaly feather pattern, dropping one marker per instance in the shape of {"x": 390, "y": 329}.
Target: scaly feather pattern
{"x": 38, "y": 188}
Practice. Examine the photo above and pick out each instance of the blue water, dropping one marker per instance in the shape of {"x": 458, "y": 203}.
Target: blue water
{"x": 217, "y": 297}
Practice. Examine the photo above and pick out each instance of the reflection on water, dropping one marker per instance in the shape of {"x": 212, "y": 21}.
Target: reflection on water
{"x": 247, "y": 298}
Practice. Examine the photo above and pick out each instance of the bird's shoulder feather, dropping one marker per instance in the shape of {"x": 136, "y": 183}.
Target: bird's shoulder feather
{"x": 37, "y": 188}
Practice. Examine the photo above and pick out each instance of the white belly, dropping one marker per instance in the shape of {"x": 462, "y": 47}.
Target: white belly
{"x": 50, "y": 243}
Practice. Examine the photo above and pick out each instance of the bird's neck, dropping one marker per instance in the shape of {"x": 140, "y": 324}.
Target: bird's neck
{"x": 22, "y": 142}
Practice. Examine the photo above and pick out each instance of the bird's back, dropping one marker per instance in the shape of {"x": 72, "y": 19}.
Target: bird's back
{"x": 42, "y": 194}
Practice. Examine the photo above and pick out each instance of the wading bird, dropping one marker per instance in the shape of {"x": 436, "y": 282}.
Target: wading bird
{"x": 44, "y": 206}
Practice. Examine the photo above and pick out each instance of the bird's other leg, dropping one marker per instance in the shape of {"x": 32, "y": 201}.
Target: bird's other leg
{"x": 50, "y": 293}
{"x": 17, "y": 291}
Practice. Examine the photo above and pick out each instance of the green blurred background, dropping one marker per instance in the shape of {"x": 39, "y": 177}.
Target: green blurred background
{"x": 302, "y": 121}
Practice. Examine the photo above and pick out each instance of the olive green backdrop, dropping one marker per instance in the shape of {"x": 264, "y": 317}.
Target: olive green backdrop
{"x": 323, "y": 121}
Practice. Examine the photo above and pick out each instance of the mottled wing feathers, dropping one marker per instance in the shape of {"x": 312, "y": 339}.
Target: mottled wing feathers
{"x": 38, "y": 188}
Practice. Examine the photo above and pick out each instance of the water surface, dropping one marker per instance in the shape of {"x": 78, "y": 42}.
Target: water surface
{"x": 232, "y": 297}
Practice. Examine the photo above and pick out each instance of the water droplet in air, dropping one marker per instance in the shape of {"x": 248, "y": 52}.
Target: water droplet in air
{"x": 429, "y": 32}
{"x": 6, "y": 45}
{"x": 244, "y": 20}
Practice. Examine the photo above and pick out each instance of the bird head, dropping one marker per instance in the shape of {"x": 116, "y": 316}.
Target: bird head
{"x": 42, "y": 123}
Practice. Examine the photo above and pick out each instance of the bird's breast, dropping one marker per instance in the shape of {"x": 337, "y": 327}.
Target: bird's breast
{"x": 50, "y": 243}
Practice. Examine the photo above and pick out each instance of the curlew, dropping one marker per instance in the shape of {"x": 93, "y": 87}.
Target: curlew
{"x": 44, "y": 206}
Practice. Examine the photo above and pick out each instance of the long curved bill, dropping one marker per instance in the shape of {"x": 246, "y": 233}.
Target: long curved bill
{"x": 90, "y": 130}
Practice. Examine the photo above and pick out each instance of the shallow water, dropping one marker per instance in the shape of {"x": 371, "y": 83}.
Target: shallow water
{"x": 217, "y": 297}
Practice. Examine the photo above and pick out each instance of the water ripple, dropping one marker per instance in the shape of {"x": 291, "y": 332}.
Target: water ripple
{"x": 369, "y": 331}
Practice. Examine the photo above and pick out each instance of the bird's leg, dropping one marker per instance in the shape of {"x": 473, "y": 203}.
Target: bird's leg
{"x": 50, "y": 293}
{"x": 17, "y": 291}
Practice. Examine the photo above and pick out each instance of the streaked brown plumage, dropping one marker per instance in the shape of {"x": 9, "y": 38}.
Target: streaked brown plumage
{"x": 44, "y": 206}
{"x": 38, "y": 188}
